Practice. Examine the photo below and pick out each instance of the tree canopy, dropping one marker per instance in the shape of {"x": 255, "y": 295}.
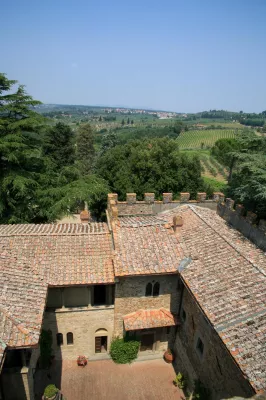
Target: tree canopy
{"x": 150, "y": 165}
{"x": 246, "y": 157}
{"x": 20, "y": 155}
{"x": 40, "y": 179}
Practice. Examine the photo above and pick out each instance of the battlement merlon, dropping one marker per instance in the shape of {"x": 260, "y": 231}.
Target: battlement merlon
{"x": 150, "y": 206}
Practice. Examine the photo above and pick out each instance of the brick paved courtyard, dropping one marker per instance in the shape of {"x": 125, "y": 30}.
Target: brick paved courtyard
{"x": 101, "y": 380}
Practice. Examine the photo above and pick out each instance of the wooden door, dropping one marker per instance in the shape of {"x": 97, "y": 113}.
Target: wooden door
{"x": 98, "y": 344}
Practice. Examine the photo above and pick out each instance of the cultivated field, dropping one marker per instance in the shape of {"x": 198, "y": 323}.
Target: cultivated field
{"x": 200, "y": 139}
{"x": 210, "y": 167}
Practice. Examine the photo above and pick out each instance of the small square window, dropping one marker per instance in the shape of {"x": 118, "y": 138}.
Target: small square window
{"x": 200, "y": 346}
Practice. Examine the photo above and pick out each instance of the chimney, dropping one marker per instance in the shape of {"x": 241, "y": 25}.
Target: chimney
{"x": 177, "y": 221}
{"x": 84, "y": 216}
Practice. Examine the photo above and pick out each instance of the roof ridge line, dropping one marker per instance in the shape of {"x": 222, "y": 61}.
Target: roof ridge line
{"x": 56, "y": 234}
{"x": 230, "y": 244}
{"x": 15, "y": 322}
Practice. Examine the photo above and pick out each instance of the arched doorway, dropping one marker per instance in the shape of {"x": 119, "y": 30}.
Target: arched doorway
{"x": 101, "y": 340}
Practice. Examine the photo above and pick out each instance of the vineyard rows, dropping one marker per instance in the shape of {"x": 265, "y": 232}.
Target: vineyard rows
{"x": 203, "y": 139}
{"x": 210, "y": 166}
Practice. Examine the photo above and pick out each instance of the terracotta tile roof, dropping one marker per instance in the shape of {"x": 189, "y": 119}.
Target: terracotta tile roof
{"x": 143, "y": 319}
{"x": 143, "y": 246}
{"x": 53, "y": 229}
{"x": 35, "y": 256}
{"x": 227, "y": 276}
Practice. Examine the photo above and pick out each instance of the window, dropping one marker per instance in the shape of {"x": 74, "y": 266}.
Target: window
{"x": 156, "y": 289}
{"x": 148, "y": 289}
{"x": 183, "y": 315}
{"x": 200, "y": 346}
{"x": 70, "y": 339}
{"x": 59, "y": 339}
{"x": 99, "y": 295}
{"x": 152, "y": 289}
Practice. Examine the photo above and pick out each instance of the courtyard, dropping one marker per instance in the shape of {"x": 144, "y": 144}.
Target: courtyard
{"x": 99, "y": 380}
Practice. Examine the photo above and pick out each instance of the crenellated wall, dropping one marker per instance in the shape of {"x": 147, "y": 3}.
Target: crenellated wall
{"x": 150, "y": 206}
{"x": 249, "y": 225}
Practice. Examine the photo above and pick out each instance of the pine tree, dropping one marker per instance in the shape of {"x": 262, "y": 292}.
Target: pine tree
{"x": 128, "y": 121}
{"x": 85, "y": 148}
{"x": 20, "y": 161}
{"x": 59, "y": 145}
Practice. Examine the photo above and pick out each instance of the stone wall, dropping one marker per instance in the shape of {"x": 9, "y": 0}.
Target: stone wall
{"x": 150, "y": 206}
{"x": 83, "y": 323}
{"x": 130, "y": 297}
{"x": 248, "y": 225}
{"x": 215, "y": 367}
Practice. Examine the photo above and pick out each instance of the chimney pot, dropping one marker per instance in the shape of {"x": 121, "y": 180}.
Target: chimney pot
{"x": 84, "y": 216}
{"x": 177, "y": 221}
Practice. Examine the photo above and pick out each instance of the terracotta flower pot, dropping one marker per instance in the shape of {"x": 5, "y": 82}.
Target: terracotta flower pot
{"x": 168, "y": 357}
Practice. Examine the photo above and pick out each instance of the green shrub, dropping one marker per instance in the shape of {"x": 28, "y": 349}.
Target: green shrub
{"x": 124, "y": 351}
{"x": 50, "y": 391}
{"x": 179, "y": 381}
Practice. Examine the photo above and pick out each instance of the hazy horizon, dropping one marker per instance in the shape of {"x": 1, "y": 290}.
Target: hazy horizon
{"x": 181, "y": 56}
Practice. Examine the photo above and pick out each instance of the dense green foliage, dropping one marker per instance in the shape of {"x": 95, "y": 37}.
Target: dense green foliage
{"x": 59, "y": 145}
{"x": 154, "y": 165}
{"x": 50, "y": 391}
{"x": 246, "y": 158}
{"x": 124, "y": 135}
{"x": 41, "y": 177}
{"x": 124, "y": 351}
{"x": 85, "y": 148}
{"x": 20, "y": 156}
{"x": 212, "y": 185}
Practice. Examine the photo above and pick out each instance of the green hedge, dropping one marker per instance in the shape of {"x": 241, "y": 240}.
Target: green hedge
{"x": 124, "y": 351}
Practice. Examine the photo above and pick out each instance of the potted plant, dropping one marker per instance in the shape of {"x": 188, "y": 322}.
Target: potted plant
{"x": 82, "y": 361}
{"x": 168, "y": 356}
{"x": 50, "y": 392}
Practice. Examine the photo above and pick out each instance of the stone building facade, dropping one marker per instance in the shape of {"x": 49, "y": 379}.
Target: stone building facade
{"x": 200, "y": 354}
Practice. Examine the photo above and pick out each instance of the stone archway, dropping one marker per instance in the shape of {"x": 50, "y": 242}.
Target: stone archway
{"x": 101, "y": 340}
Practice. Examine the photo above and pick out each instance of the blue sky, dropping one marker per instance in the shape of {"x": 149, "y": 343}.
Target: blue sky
{"x": 184, "y": 56}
